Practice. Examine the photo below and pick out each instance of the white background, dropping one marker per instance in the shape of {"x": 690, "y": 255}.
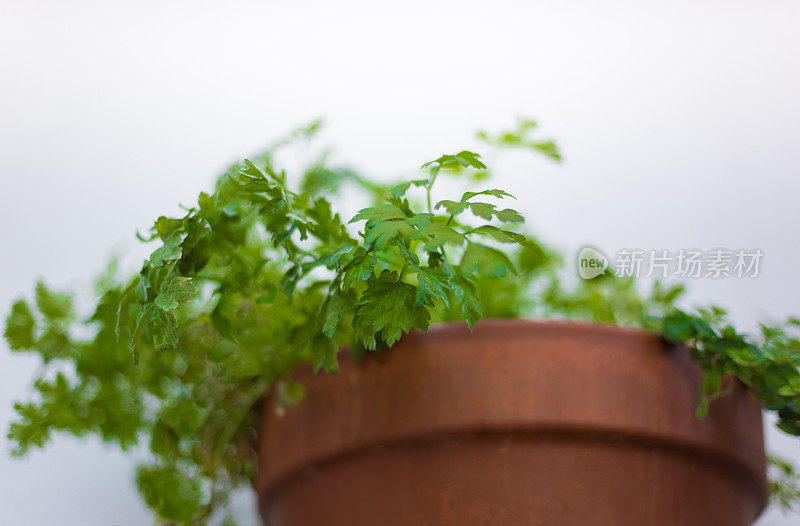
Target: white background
{"x": 680, "y": 125}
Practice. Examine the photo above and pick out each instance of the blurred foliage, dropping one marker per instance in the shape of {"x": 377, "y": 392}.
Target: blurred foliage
{"x": 785, "y": 483}
{"x": 259, "y": 278}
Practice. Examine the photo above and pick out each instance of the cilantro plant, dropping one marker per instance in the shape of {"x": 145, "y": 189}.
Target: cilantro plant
{"x": 263, "y": 275}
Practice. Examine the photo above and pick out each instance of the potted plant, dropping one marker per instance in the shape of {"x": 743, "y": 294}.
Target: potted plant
{"x": 212, "y": 354}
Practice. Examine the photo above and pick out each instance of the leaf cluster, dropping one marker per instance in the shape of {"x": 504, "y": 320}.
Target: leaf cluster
{"x": 254, "y": 280}
{"x": 262, "y": 275}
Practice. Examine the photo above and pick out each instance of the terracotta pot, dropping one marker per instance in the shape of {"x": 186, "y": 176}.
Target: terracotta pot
{"x": 519, "y": 422}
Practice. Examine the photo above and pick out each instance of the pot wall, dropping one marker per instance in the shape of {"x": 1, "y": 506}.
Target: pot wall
{"x": 519, "y": 422}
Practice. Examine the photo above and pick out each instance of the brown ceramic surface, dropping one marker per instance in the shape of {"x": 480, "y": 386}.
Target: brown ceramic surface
{"x": 517, "y": 423}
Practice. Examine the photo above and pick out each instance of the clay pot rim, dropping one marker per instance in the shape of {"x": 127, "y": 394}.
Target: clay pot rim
{"x": 445, "y": 329}
{"x": 448, "y": 329}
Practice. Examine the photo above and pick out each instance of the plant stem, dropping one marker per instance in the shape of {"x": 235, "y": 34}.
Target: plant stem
{"x": 428, "y": 187}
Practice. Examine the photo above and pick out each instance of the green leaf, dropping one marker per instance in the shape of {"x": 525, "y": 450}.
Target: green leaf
{"x": 176, "y": 290}
{"x": 678, "y": 326}
{"x": 702, "y": 407}
{"x": 19, "y": 326}
{"x": 509, "y": 216}
{"x": 163, "y": 329}
{"x": 31, "y": 430}
{"x": 433, "y": 285}
{"x": 466, "y": 158}
{"x": 711, "y": 382}
{"x": 379, "y": 213}
{"x": 452, "y": 207}
{"x": 54, "y": 344}
{"x": 270, "y": 293}
{"x": 789, "y": 427}
{"x": 548, "y": 148}
{"x": 520, "y": 137}
{"x": 383, "y": 233}
{"x": 435, "y": 235}
{"x": 467, "y": 296}
{"x": 480, "y": 259}
{"x": 359, "y": 268}
{"x": 388, "y": 307}
{"x": 326, "y": 225}
{"x": 53, "y": 305}
{"x": 166, "y": 227}
{"x": 169, "y": 493}
{"x": 320, "y": 179}
{"x": 168, "y": 253}
{"x": 251, "y": 169}
{"x": 503, "y": 236}
{"x": 164, "y": 441}
{"x": 493, "y": 193}
{"x": 336, "y": 306}
{"x": 182, "y": 414}
{"x": 482, "y": 210}
{"x": 324, "y": 355}
{"x": 462, "y": 159}
{"x": 289, "y": 393}
{"x": 401, "y": 189}
{"x": 703, "y": 327}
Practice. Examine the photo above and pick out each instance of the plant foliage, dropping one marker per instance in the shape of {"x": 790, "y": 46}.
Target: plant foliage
{"x": 260, "y": 277}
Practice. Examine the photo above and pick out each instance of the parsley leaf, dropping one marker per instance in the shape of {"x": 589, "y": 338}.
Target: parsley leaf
{"x": 389, "y": 308}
